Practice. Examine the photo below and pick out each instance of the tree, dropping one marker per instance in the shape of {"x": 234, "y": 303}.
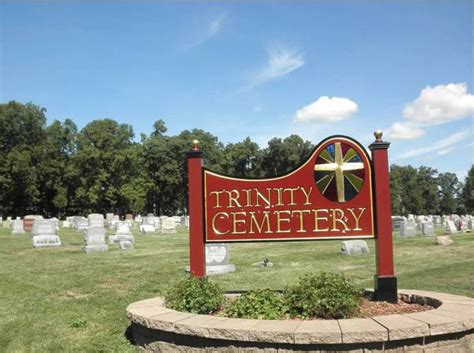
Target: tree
{"x": 427, "y": 185}
{"x": 21, "y": 135}
{"x": 468, "y": 191}
{"x": 243, "y": 159}
{"x": 282, "y": 156}
{"x": 449, "y": 188}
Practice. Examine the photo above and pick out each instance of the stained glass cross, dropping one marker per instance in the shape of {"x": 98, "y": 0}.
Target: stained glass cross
{"x": 339, "y": 166}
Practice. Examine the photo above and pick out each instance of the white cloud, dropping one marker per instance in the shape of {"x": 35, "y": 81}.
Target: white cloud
{"x": 281, "y": 62}
{"x": 326, "y": 109}
{"x": 441, "y": 145}
{"x": 445, "y": 151}
{"x": 404, "y": 131}
{"x": 213, "y": 28}
{"x": 440, "y": 104}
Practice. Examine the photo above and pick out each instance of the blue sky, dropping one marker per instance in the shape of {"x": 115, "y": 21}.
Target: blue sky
{"x": 257, "y": 69}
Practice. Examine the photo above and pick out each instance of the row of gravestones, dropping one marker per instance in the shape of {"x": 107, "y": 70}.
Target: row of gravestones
{"x": 164, "y": 224}
{"x": 426, "y": 224}
{"x": 94, "y": 234}
{"x": 44, "y": 232}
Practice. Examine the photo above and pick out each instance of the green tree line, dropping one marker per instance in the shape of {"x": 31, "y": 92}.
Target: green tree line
{"x": 57, "y": 169}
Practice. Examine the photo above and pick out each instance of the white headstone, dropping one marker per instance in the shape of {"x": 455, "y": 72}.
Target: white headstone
{"x": 147, "y": 228}
{"x": 95, "y": 220}
{"x": 354, "y": 247}
{"x": 126, "y": 245}
{"x": 427, "y": 228}
{"x": 44, "y": 233}
{"x": 407, "y": 229}
{"x": 17, "y": 227}
{"x": 450, "y": 228}
{"x": 122, "y": 233}
{"x": 168, "y": 226}
{"x": 94, "y": 240}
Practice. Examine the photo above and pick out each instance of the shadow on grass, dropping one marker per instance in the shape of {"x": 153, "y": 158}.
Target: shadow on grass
{"x": 129, "y": 335}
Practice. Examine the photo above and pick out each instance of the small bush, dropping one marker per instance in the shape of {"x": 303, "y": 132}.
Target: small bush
{"x": 326, "y": 295}
{"x": 263, "y": 304}
{"x": 195, "y": 296}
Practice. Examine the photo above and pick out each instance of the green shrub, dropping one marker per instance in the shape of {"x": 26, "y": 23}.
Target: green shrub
{"x": 195, "y": 296}
{"x": 263, "y": 304}
{"x": 326, "y": 295}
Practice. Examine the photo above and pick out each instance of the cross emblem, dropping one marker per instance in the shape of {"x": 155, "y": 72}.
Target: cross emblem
{"x": 334, "y": 164}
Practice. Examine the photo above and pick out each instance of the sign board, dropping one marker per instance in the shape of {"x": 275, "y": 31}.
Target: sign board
{"x": 328, "y": 197}
{"x": 337, "y": 193}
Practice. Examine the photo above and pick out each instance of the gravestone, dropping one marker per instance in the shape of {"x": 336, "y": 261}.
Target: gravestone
{"x": 147, "y": 229}
{"x": 17, "y": 227}
{"x": 80, "y": 223}
{"x": 95, "y": 220}
{"x": 122, "y": 233}
{"x": 450, "y": 228}
{"x": 177, "y": 220}
{"x": 354, "y": 247}
{"x": 470, "y": 225}
{"x": 427, "y": 228}
{"x": 44, "y": 234}
{"x": 437, "y": 220}
{"x": 186, "y": 221}
{"x": 126, "y": 245}
{"x": 66, "y": 224}
{"x": 94, "y": 240}
{"x": 157, "y": 223}
{"x": 407, "y": 228}
{"x": 129, "y": 217}
{"x": 396, "y": 220}
{"x": 168, "y": 226}
{"x": 115, "y": 219}
{"x": 217, "y": 259}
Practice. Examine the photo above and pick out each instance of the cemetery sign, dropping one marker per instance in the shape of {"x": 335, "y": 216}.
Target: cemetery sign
{"x": 339, "y": 192}
{"x": 327, "y": 197}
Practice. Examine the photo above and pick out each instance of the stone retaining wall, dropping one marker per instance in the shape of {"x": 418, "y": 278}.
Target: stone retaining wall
{"x": 448, "y": 328}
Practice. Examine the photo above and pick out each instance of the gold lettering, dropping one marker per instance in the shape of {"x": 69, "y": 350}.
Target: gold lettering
{"x": 262, "y": 197}
{"x": 301, "y": 219}
{"x": 249, "y": 197}
{"x": 338, "y": 219}
{"x": 279, "y": 196}
{"x": 307, "y": 195}
{"x": 218, "y": 194}
{"x": 265, "y": 220}
{"x": 317, "y": 219}
{"x": 214, "y": 228}
{"x": 236, "y": 221}
{"x": 357, "y": 219}
{"x": 292, "y": 195}
{"x": 279, "y": 220}
{"x": 234, "y": 199}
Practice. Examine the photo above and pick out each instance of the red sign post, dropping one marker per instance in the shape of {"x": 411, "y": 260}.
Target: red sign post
{"x": 337, "y": 193}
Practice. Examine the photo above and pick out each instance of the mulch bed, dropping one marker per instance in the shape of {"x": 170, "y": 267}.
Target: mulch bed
{"x": 370, "y": 308}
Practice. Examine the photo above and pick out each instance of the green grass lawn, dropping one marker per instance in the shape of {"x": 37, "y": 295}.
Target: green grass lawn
{"x": 63, "y": 300}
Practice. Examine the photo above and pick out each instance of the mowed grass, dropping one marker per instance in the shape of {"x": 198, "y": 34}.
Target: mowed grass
{"x": 63, "y": 300}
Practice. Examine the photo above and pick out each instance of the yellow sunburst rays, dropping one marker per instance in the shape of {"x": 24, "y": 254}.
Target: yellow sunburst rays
{"x": 339, "y": 166}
